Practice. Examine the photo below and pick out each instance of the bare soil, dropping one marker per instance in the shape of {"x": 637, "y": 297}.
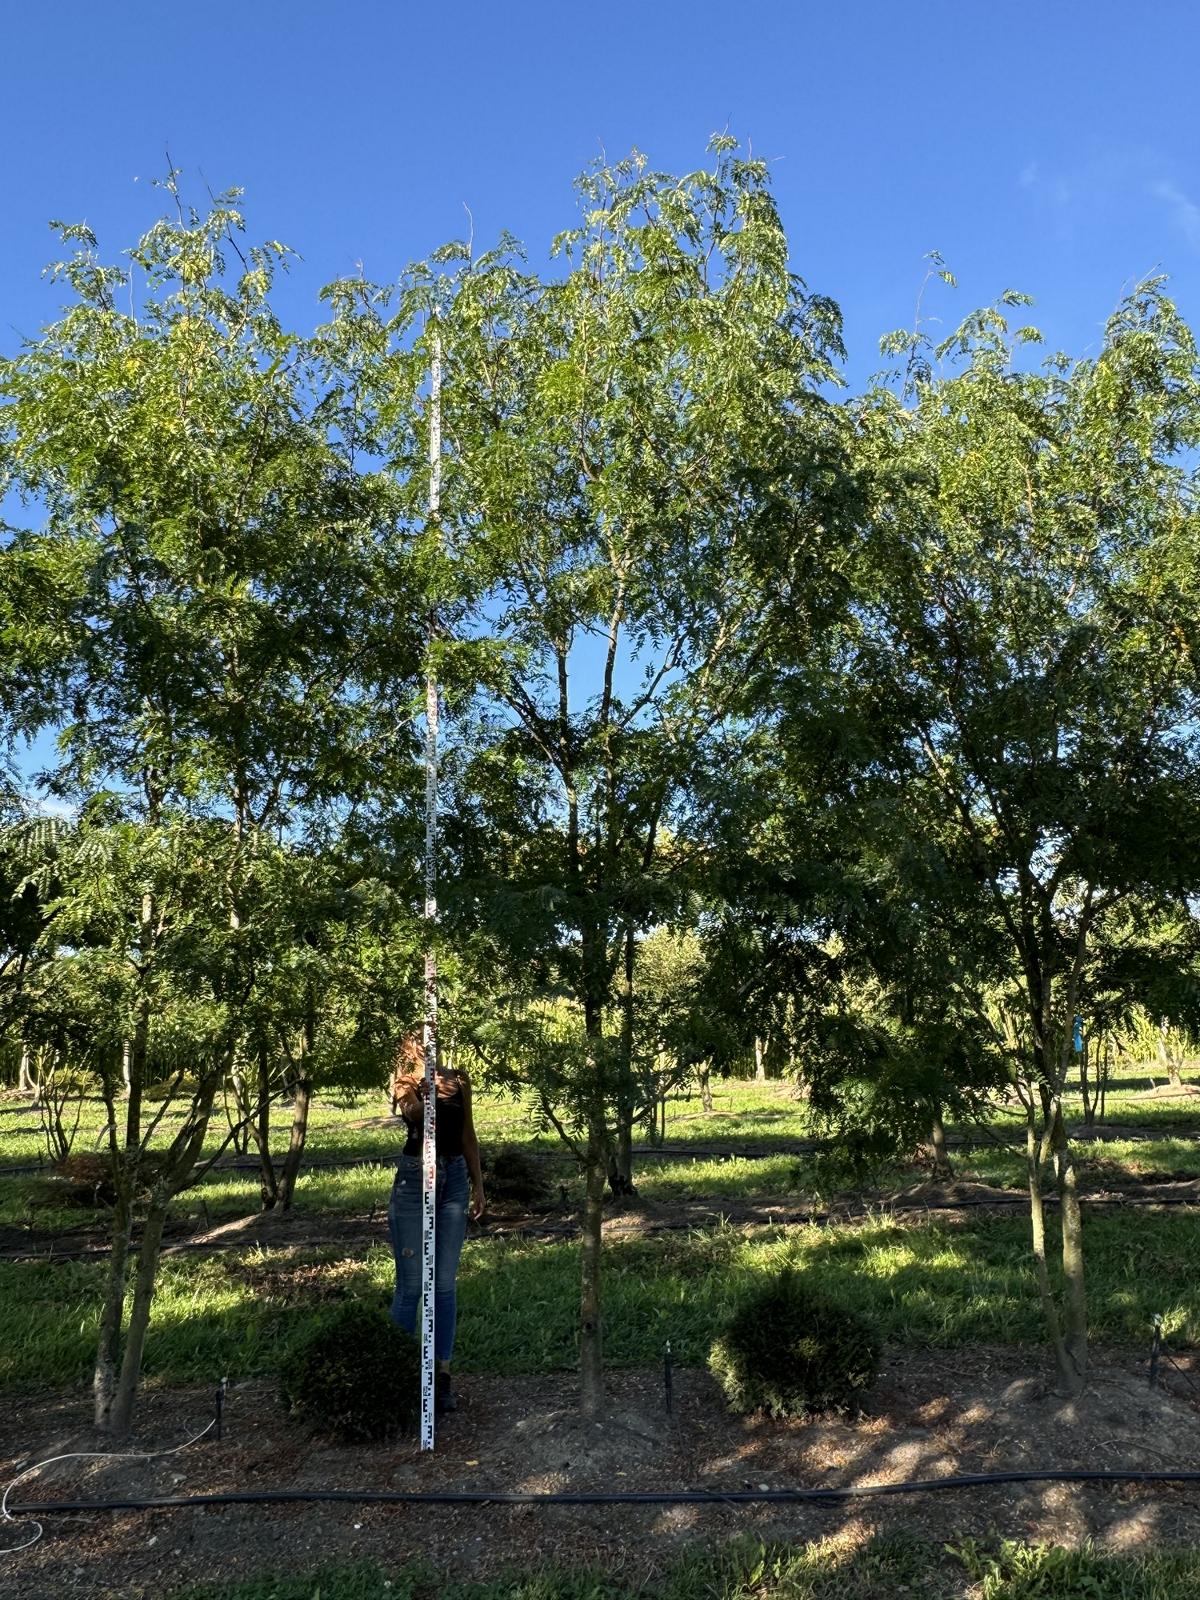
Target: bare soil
{"x": 932, "y": 1414}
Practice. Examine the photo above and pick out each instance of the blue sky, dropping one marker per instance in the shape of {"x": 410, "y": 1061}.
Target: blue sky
{"x": 1050, "y": 147}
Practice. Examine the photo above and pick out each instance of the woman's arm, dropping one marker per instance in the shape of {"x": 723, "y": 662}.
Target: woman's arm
{"x": 407, "y": 1096}
{"x": 471, "y": 1152}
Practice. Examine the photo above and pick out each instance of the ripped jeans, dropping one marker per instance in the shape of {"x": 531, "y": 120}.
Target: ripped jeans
{"x": 404, "y": 1224}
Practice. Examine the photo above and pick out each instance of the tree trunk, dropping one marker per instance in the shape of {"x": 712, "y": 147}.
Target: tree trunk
{"x": 239, "y": 1119}
{"x": 108, "y": 1344}
{"x": 26, "y": 1082}
{"x": 942, "y": 1167}
{"x": 1085, "y": 1086}
{"x": 1037, "y": 1222}
{"x": 1073, "y": 1362}
{"x": 658, "y": 1112}
{"x": 1168, "y": 1058}
{"x": 295, "y": 1150}
{"x": 706, "y": 1097}
{"x": 591, "y": 1350}
{"x": 135, "y": 1082}
{"x": 620, "y": 1161}
{"x": 760, "y": 1060}
{"x": 261, "y": 1127}
{"x": 121, "y": 1413}
{"x": 300, "y": 1108}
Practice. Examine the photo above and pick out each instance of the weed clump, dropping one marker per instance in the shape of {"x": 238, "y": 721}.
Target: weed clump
{"x": 355, "y": 1375}
{"x": 87, "y": 1181}
{"x": 788, "y": 1350}
{"x": 513, "y": 1174}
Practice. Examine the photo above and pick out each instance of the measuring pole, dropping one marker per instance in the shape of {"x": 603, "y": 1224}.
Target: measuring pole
{"x": 429, "y": 1140}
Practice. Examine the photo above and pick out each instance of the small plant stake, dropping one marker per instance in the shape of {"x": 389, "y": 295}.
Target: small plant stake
{"x": 1155, "y": 1351}
{"x": 668, "y": 1377}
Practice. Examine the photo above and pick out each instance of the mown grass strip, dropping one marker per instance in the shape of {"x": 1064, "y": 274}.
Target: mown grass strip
{"x": 354, "y": 1191}
{"x": 880, "y": 1569}
{"x": 926, "y": 1284}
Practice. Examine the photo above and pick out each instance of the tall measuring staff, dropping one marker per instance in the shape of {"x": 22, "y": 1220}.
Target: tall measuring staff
{"x": 429, "y": 1140}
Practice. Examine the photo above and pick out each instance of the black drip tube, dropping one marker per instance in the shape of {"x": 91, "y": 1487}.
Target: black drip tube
{"x": 648, "y": 1497}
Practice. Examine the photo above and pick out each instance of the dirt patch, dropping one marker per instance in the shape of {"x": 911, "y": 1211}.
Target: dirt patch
{"x": 932, "y": 1414}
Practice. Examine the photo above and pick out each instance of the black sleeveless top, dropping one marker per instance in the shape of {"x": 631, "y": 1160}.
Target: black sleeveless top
{"x": 451, "y": 1112}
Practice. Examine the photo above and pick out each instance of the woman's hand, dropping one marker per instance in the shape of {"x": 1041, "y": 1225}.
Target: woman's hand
{"x": 478, "y": 1204}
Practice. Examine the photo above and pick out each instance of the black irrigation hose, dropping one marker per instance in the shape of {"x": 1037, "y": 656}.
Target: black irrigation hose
{"x": 651, "y": 1497}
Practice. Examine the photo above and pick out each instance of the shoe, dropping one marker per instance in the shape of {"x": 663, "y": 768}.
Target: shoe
{"x": 445, "y": 1398}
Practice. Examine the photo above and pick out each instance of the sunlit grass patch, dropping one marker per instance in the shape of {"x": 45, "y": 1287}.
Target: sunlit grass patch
{"x": 928, "y": 1284}
{"x": 878, "y": 1567}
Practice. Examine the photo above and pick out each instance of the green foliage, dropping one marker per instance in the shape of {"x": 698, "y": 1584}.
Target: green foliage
{"x": 1013, "y": 1571}
{"x": 355, "y": 1375}
{"x": 789, "y": 1350}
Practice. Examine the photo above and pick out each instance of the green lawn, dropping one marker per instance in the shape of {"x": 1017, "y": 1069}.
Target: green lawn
{"x": 934, "y": 1284}
{"x": 749, "y": 1119}
{"x": 930, "y": 1284}
{"x": 881, "y": 1569}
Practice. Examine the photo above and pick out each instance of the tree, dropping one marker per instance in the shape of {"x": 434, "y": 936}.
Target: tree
{"x": 623, "y": 441}
{"x": 212, "y": 599}
{"x": 1020, "y": 673}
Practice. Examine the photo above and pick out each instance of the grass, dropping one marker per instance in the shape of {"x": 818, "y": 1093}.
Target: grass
{"x": 354, "y": 1191}
{"x": 929, "y": 1284}
{"x": 749, "y": 1117}
{"x": 880, "y": 1569}
{"x": 1099, "y": 1163}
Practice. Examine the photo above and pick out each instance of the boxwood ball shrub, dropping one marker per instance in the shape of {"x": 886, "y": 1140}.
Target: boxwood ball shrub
{"x": 355, "y": 1375}
{"x": 788, "y": 1350}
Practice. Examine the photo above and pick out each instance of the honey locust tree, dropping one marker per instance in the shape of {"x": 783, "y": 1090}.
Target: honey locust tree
{"x": 1021, "y": 681}
{"x": 205, "y": 601}
{"x": 624, "y": 438}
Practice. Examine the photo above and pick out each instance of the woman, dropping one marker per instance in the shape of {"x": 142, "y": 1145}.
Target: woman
{"x": 457, "y": 1159}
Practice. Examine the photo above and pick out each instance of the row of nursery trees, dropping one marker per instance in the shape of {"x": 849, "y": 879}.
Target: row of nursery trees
{"x": 865, "y": 722}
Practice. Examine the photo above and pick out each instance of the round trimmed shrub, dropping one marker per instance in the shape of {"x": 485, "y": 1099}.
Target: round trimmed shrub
{"x": 788, "y": 1350}
{"x": 355, "y": 1375}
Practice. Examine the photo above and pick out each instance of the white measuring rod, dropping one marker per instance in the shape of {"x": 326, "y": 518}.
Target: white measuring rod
{"x": 429, "y": 1134}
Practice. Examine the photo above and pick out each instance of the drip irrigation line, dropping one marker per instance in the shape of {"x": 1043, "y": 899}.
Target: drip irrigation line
{"x": 629, "y": 1497}
{"x": 22, "y": 1513}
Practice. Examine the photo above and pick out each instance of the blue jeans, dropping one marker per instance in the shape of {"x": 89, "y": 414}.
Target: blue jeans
{"x": 404, "y": 1224}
